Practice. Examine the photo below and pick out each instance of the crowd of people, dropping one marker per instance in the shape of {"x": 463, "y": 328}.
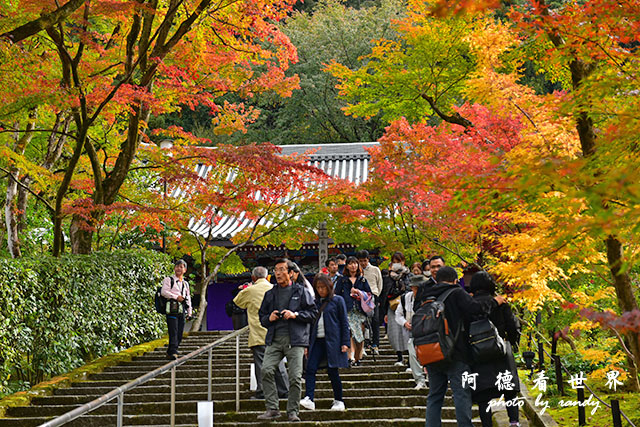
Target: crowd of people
{"x": 323, "y": 325}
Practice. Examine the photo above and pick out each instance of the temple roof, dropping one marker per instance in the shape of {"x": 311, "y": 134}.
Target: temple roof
{"x": 346, "y": 161}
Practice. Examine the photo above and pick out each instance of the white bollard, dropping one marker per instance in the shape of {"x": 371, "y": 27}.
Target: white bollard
{"x": 253, "y": 382}
{"x": 205, "y": 414}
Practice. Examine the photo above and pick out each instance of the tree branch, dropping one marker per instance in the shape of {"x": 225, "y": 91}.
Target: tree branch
{"x": 36, "y": 195}
{"x": 45, "y": 21}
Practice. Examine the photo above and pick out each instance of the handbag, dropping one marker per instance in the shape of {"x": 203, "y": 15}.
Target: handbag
{"x": 393, "y": 303}
{"x": 485, "y": 341}
{"x": 367, "y": 303}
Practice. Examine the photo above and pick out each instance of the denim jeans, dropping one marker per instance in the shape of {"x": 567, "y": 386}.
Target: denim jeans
{"x": 438, "y": 379}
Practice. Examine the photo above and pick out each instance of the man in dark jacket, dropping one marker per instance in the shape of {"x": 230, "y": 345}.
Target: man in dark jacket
{"x": 434, "y": 264}
{"x": 459, "y": 310}
{"x": 287, "y": 311}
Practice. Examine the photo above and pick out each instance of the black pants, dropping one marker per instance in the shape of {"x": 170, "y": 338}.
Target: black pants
{"x": 512, "y": 411}
{"x": 239, "y": 320}
{"x": 175, "y": 324}
{"x": 375, "y": 324}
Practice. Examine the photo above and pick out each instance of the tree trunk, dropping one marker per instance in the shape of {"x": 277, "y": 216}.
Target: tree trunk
{"x": 58, "y": 241}
{"x": 56, "y": 142}
{"x": 626, "y": 301}
{"x": 81, "y": 237}
{"x": 13, "y": 242}
{"x": 11, "y": 205}
{"x": 204, "y": 284}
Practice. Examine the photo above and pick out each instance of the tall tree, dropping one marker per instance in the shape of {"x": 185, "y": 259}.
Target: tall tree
{"x": 195, "y": 188}
{"x": 113, "y": 64}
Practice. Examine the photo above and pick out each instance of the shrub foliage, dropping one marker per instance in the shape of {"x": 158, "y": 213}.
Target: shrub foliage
{"x": 58, "y": 313}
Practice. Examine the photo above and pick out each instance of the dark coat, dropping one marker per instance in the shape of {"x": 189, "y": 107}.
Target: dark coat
{"x": 460, "y": 309}
{"x": 508, "y": 327}
{"x": 343, "y": 289}
{"x": 301, "y": 302}
{"x": 336, "y": 332}
{"x": 388, "y": 283}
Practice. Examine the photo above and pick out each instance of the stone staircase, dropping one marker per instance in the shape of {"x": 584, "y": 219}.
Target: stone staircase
{"x": 375, "y": 394}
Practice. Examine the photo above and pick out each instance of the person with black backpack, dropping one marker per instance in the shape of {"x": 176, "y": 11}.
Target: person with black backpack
{"x": 178, "y": 295}
{"x": 445, "y": 350}
{"x": 483, "y": 288}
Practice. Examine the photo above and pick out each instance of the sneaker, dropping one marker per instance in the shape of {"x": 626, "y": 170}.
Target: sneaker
{"x": 270, "y": 414}
{"x": 398, "y": 363}
{"x": 307, "y": 403}
{"x": 338, "y": 405}
{"x": 408, "y": 370}
{"x": 514, "y": 424}
{"x": 294, "y": 418}
{"x": 421, "y": 385}
{"x": 172, "y": 356}
{"x": 375, "y": 351}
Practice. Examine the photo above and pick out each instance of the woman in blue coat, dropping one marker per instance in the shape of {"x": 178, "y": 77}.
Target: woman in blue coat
{"x": 329, "y": 342}
{"x": 351, "y": 287}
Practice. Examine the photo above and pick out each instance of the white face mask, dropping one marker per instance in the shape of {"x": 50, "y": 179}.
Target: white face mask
{"x": 427, "y": 273}
{"x": 396, "y": 266}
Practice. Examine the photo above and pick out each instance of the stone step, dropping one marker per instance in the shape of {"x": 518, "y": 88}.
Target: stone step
{"x": 381, "y": 416}
{"x": 229, "y": 375}
{"x": 376, "y": 382}
{"x": 190, "y": 406}
{"x": 227, "y": 369}
{"x": 201, "y": 395}
{"x": 322, "y": 415}
{"x": 398, "y": 422}
{"x": 187, "y": 386}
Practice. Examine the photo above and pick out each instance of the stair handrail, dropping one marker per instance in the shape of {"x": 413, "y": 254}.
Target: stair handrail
{"x": 118, "y": 392}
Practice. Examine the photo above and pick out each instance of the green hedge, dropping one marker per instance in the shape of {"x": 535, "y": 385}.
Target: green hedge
{"x": 58, "y": 313}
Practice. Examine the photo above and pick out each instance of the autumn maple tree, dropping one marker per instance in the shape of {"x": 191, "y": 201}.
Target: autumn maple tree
{"x": 252, "y": 186}
{"x": 545, "y": 182}
{"x": 110, "y": 65}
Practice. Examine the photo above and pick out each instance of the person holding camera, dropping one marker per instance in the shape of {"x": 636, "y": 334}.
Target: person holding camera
{"x": 176, "y": 290}
{"x": 287, "y": 311}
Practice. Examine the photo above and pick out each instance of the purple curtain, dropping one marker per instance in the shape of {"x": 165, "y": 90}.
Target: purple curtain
{"x": 218, "y": 294}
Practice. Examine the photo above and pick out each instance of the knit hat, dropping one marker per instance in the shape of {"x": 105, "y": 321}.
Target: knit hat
{"x": 417, "y": 280}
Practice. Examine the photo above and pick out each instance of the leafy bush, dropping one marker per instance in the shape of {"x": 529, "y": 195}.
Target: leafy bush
{"x": 58, "y": 313}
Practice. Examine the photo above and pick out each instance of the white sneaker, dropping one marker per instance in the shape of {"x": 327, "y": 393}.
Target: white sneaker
{"x": 398, "y": 363}
{"x": 307, "y": 403}
{"x": 338, "y": 406}
{"x": 421, "y": 385}
{"x": 408, "y": 370}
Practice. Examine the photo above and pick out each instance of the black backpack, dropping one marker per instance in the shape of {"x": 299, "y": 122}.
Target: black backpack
{"x": 433, "y": 339}
{"x": 485, "y": 341}
{"x": 160, "y": 301}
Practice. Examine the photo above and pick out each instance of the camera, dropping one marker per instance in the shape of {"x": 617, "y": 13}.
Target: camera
{"x": 280, "y": 315}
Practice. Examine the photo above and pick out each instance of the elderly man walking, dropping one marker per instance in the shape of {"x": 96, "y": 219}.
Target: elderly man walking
{"x": 250, "y": 299}
{"x": 287, "y": 311}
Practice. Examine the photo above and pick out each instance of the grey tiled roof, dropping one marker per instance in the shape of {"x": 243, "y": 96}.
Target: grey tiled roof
{"x": 346, "y": 161}
{"x": 349, "y": 150}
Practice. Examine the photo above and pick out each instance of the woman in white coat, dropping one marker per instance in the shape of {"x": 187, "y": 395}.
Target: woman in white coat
{"x": 403, "y": 315}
